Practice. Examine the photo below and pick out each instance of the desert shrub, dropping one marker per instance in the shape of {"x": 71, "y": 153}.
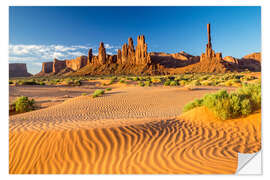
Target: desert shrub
{"x": 167, "y": 83}
{"x": 28, "y": 82}
{"x": 23, "y": 104}
{"x": 147, "y": 83}
{"x": 141, "y": 83}
{"x": 155, "y": 80}
{"x": 108, "y": 89}
{"x": 98, "y": 92}
{"x": 122, "y": 81}
{"x": 84, "y": 94}
{"x": 193, "y": 104}
{"x": 174, "y": 83}
{"x": 135, "y": 79}
{"x": 195, "y": 83}
{"x": 113, "y": 79}
{"x": 207, "y": 83}
{"x": 183, "y": 82}
{"x": 240, "y": 103}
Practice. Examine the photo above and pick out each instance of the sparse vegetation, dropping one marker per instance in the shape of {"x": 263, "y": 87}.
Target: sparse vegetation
{"x": 23, "y": 104}
{"x": 141, "y": 83}
{"x": 84, "y": 94}
{"x": 230, "y": 105}
{"x": 229, "y": 79}
{"x": 108, "y": 89}
{"x": 98, "y": 92}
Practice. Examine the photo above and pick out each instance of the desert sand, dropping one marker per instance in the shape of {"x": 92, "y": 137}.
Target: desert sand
{"x": 129, "y": 130}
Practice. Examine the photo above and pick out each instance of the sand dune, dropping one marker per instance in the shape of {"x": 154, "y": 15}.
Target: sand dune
{"x": 132, "y": 131}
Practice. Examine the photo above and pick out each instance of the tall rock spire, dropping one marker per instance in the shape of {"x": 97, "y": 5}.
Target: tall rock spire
{"x": 209, "y": 45}
{"x": 209, "y": 52}
{"x": 101, "y": 54}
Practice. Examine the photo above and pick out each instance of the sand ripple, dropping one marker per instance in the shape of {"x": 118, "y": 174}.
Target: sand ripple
{"x": 184, "y": 145}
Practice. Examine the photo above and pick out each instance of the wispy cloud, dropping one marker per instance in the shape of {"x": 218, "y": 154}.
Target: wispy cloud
{"x": 21, "y": 52}
{"x": 41, "y": 53}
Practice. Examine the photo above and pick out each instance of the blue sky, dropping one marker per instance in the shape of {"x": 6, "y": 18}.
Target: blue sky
{"x": 38, "y": 34}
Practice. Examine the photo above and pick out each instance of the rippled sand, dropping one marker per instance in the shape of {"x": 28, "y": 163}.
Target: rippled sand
{"x": 130, "y": 130}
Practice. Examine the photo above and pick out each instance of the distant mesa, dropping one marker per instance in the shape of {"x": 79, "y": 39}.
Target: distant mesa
{"x": 18, "y": 70}
{"x": 131, "y": 60}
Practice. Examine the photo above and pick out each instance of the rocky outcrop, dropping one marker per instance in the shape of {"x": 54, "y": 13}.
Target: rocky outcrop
{"x": 18, "y": 70}
{"x": 230, "y": 59}
{"x": 101, "y": 54}
{"x": 254, "y": 56}
{"x": 251, "y": 62}
{"x": 58, "y": 66}
{"x": 76, "y": 64}
{"x": 142, "y": 57}
{"x": 175, "y": 60}
{"x": 128, "y": 54}
{"x": 47, "y": 67}
{"x": 90, "y": 56}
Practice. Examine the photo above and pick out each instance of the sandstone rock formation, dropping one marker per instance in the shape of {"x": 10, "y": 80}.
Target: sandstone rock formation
{"x": 210, "y": 54}
{"x": 18, "y": 70}
{"x": 101, "y": 54}
{"x": 90, "y": 56}
{"x": 142, "y": 57}
{"x": 230, "y": 59}
{"x": 47, "y": 67}
{"x": 76, "y": 64}
{"x": 253, "y": 56}
{"x": 175, "y": 60}
{"x": 59, "y": 65}
{"x": 137, "y": 61}
{"x": 251, "y": 62}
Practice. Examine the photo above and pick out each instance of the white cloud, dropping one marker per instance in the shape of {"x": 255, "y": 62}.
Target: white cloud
{"x": 21, "y": 52}
{"x": 41, "y": 53}
{"x": 108, "y": 46}
{"x": 58, "y": 55}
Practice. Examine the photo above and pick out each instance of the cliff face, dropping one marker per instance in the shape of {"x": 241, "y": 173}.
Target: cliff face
{"x": 47, "y": 67}
{"x": 251, "y": 62}
{"x": 175, "y": 60}
{"x": 18, "y": 70}
{"x": 76, "y": 64}
{"x": 59, "y": 65}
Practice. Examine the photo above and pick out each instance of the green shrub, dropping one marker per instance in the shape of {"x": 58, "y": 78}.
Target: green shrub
{"x": 183, "y": 82}
{"x": 84, "y": 94}
{"x": 108, "y": 89}
{"x": 155, "y": 80}
{"x": 167, "y": 83}
{"x": 23, "y": 104}
{"x": 193, "y": 104}
{"x": 98, "y": 92}
{"x": 136, "y": 79}
{"x": 147, "y": 83}
{"x": 141, "y": 83}
{"x": 174, "y": 83}
{"x": 195, "y": 83}
{"x": 240, "y": 103}
{"x": 122, "y": 81}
